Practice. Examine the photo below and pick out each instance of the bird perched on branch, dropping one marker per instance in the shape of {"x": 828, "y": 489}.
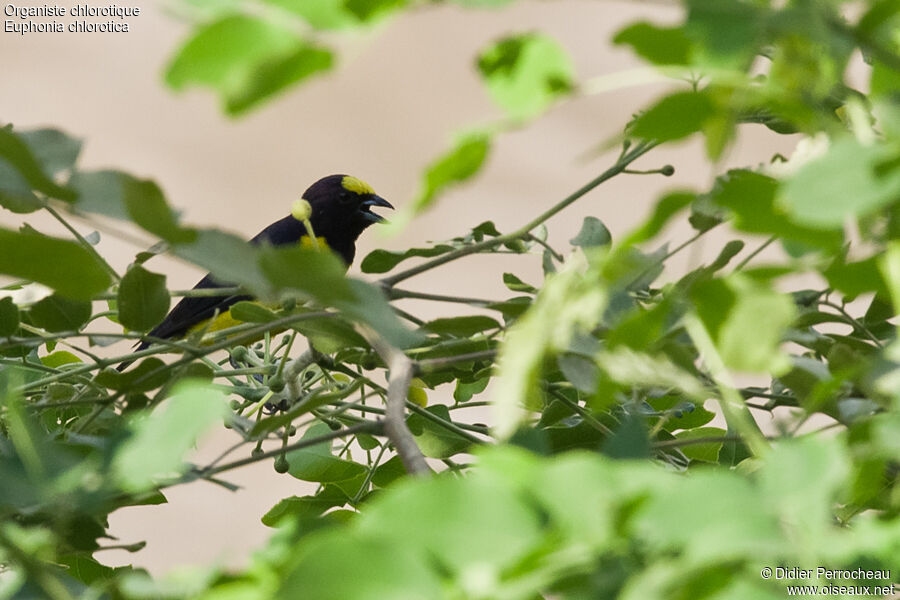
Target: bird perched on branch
{"x": 341, "y": 209}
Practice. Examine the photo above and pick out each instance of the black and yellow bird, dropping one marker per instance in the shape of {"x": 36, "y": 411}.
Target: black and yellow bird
{"x": 340, "y": 211}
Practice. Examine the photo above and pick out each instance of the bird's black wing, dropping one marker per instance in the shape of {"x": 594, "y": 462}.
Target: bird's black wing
{"x": 191, "y": 311}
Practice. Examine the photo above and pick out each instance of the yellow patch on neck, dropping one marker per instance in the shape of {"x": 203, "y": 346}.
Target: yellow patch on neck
{"x": 357, "y": 186}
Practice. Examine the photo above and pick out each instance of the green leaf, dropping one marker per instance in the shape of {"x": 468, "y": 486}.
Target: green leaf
{"x": 667, "y": 207}
{"x": 751, "y": 196}
{"x": 526, "y": 73}
{"x": 463, "y": 392}
{"x": 147, "y": 207}
{"x": 746, "y": 320}
{"x": 727, "y": 33}
{"x": 15, "y": 192}
{"x": 670, "y": 520}
{"x": 245, "y": 59}
{"x": 434, "y": 440}
{"x": 58, "y": 313}
{"x": 382, "y": 261}
{"x": 317, "y": 274}
{"x": 148, "y": 375}
{"x": 9, "y": 317}
{"x": 461, "y": 326}
{"x": 229, "y": 258}
{"x": 143, "y": 299}
{"x": 160, "y": 440}
{"x": 317, "y": 463}
{"x": 579, "y": 371}
{"x": 855, "y": 278}
{"x": 846, "y": 182}
{"x": 463, "y": 161}
{"x": 251, "y": 312}
{"x": 517, "y": 285}
{"x": 59, "y": 358}
{"x": 15, "y": 151}
{"x": 473, "y": 522}
{"x": 54, "y": 150}
{"x": 706, "y": 451}
{"x": 593, "y": 233}
{"x": 306, "y": 506}
{"x": 674, "y": 117}
{"x": 382, "y": 568}
{"x": 659, "y": 45}
{"x": 278, "y": 74}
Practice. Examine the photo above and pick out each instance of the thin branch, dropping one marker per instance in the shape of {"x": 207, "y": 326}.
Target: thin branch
{"x": 638, "y": 151}
{"x": 400, "y": 374}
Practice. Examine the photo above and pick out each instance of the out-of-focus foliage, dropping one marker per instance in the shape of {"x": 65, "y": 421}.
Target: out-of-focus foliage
{"x": 605, "y": 472}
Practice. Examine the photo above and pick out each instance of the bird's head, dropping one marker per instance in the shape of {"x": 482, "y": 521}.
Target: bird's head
{"x": 342, "y": 204}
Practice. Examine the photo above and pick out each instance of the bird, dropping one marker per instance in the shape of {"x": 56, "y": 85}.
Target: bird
{"x": 341, "y": 209}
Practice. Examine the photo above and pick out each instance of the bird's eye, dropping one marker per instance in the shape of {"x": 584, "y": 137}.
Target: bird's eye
{"x": 346, "y": 197}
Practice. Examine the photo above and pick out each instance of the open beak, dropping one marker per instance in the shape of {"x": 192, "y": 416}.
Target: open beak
{"x": 366, "y": 206}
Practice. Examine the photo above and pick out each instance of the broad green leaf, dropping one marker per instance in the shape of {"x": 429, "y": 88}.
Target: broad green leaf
{"x": 229, "y": 258}
{"x": 579, "y": 371}
{"x": 15, "y": 151}
{"x": 674, "y": 117}
{"x": 726, "y": 33}
{"x": 159, "y": 442}
{"x": 143, "y": 299}
{"x": 382, "y": 568}
{"x": 463, "y": 392}
{"x": 382, "y": 261}
{"x": 800, "y": 480}
{"x": 746, "y": 320}
{"x": 251, "y": 312}
{"x": 277, "y": 74}
{"x": 667, "y": 207}
{"x": 593, "y": 233}
{"x": 460, "y": 163}
{"x": 434, "y": 440}
{"x": 461, "y": 326}
{"x": 515, "y": 284}
{"x": 339, "y": 14}
{"x": 15, "y": 192}
{"x": 59, "y": 358}
{"x": 855, "y": 278}
{"x": 317, "y": 463}
{"x": 305, "y": 506}
{"x": 320, "y": 275}
{"x": 54, "y": 150}
{"x": 317, "y": 274}
{"x": 245, "y": 59}
{"x": 705, "y": 451}
{"x": 147, "y": 207}
{"x": 100, "y": 192}
{"x": 671, "y": 521}
{"x": 526, "y": 73}
{"x": 9, "y": 317}
{"x": 122, "y": 196}
{"x": 659, "y": 45}
{"x": 476, "y": 521}
{"x": 148, "y": 375}
{"x": 751, "y": 196}
{"x": 58, "y": 313}
{"x": 847, "y": 182}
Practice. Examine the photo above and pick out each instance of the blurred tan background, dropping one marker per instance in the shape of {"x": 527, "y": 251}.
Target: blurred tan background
{"x": 394, "y": 102}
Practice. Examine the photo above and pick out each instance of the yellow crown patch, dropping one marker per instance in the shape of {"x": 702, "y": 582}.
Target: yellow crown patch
{"x": 357, "y": 186}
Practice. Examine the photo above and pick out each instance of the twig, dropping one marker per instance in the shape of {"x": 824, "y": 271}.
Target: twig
{"x": 401, "y": 369}
{"x": 635, "y": 153}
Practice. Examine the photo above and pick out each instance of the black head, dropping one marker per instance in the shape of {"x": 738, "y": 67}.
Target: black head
{"x": 342, "y": 206}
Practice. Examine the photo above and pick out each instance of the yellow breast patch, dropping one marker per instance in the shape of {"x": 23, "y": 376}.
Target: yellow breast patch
{"x": 357, "y": 186}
